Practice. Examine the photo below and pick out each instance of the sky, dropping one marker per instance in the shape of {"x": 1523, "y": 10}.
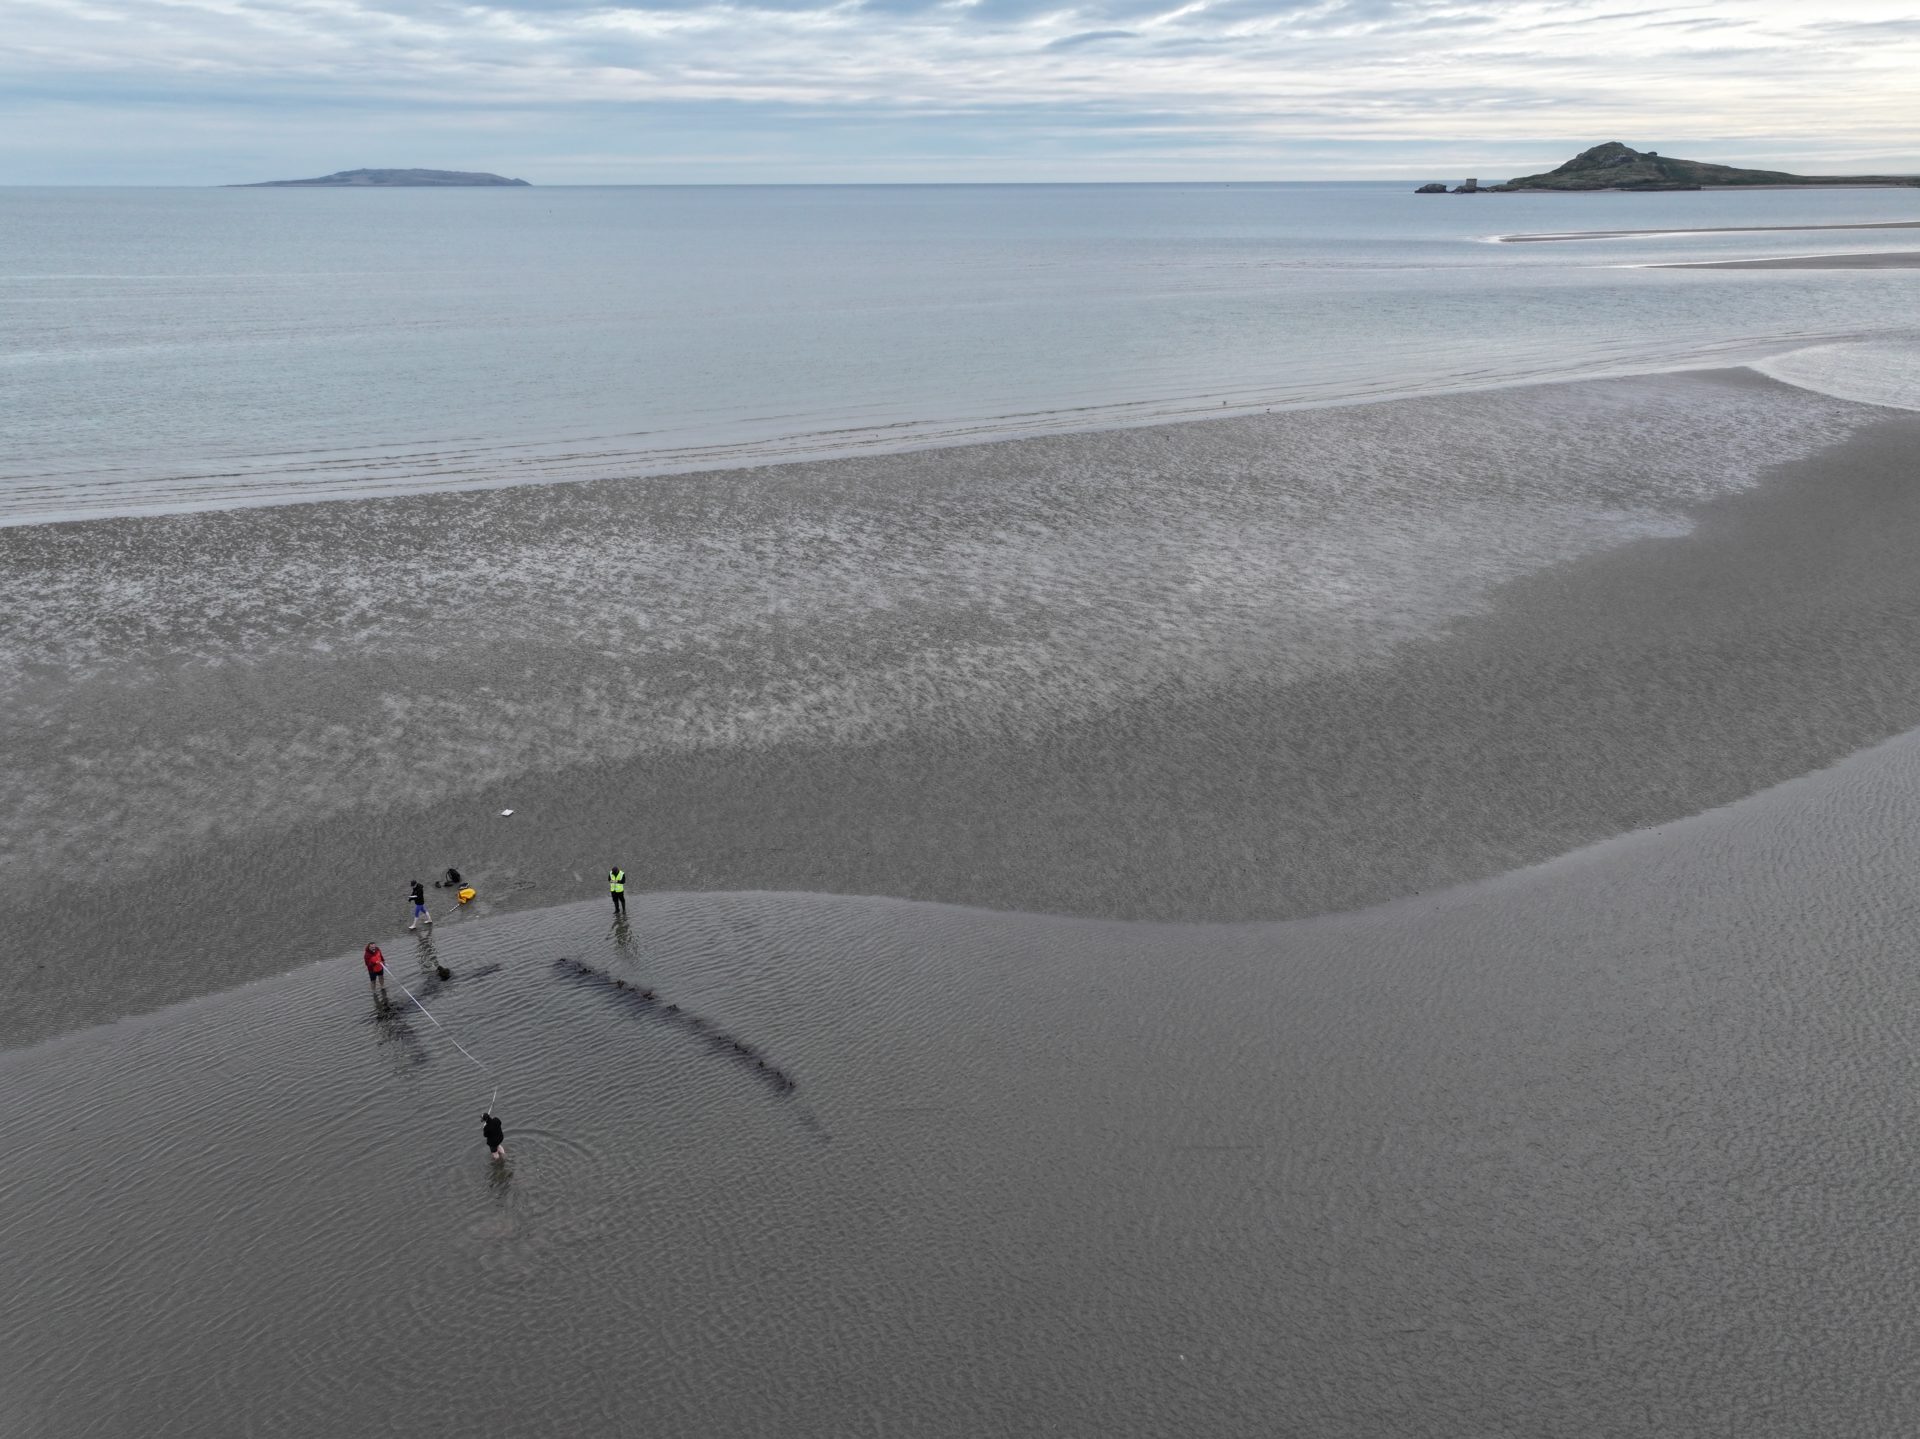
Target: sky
{"x": 757, "y": 91}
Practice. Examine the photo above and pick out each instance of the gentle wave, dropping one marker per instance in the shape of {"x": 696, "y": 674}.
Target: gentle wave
{"x": 300, "y": 477}
{"x": 1869, "y": 372}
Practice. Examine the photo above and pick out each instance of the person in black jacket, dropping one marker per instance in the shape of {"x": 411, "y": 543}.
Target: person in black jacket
{"x": 494, "y": 1133}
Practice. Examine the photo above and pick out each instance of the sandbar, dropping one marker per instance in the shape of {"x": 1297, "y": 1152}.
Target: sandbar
{"x": 1225, "y": 671}
{"x": 1878, "y": 260}
{"x": 1583, "y": 1115}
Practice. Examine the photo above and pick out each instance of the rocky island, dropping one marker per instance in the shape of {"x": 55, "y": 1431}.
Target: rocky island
{"x": 391, "y": 178}
{"x": 1614, "y": 166}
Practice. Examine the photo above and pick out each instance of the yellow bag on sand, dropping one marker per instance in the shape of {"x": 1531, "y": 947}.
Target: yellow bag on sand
{"x": 468, "y": 893}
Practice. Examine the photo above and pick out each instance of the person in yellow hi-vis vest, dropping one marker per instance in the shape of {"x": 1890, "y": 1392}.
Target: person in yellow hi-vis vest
{"x": 617, "y": 886}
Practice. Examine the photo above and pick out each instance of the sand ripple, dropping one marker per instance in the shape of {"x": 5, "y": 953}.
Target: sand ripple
{"x": 1586, "y": 1149}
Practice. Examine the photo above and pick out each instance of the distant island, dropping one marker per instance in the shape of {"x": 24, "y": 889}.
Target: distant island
{"x": 1614, "y": 166}
{"x": 390, "y": 177}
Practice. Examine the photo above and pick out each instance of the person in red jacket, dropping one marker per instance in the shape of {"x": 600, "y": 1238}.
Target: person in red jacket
{"x": 376, "y": 970}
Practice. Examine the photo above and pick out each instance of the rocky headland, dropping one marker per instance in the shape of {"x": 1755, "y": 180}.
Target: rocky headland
{"x": 1614, "y": 166}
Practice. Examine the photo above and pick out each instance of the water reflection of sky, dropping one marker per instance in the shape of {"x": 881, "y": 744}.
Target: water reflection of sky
{"x": 198, "y": 349}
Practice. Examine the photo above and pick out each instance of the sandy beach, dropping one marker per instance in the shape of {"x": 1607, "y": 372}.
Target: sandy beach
{"x": 1246, "y": 669}
{"x": 901, "y": 721}
{"x": 1381, "y": 921}
{"x": 1607, "y": 1147}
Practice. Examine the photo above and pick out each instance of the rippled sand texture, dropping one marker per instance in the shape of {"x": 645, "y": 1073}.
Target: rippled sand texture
{"x": 1617, "y": 1146}
{"x": 1257, "y": 667}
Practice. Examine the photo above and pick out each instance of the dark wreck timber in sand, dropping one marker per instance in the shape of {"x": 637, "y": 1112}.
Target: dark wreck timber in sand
{"x": 1616, "y": 167}
{"x": 391, "y": 178}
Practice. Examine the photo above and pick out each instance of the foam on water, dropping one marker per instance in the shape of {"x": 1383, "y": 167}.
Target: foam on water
{"x": 1873, "y": 372}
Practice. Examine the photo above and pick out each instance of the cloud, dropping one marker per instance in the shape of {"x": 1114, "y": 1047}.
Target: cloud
{"x": 973, "y": 89}
{"x": 1089, "y": 37}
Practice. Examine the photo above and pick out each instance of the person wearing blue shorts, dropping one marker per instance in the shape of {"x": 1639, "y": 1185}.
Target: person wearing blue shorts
{"x": 418, "y": 895}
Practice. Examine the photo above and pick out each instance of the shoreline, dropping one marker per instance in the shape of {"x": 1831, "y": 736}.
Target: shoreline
{"x": 1088, "y": 674}
{"x": 903, "y": 441}
{"x": 1701, "y": 230}
{"x": 1878, "y": 260}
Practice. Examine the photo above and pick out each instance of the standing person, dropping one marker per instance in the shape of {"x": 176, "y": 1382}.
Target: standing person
{"x": 494, "y": 1133}
{"x": 617, "y": 887}
{"x": 419, "y": 897}
{"x": 376, "y": 970}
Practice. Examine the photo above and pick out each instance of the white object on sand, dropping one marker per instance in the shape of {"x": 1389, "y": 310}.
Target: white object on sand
{"x": 505, "y": 812}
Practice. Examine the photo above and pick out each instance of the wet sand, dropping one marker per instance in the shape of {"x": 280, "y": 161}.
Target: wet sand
{"x": 1250, "y": 669}
{"x": 1615, "y": 1146}
{"x": 1613, "y": 1143}
{"x": 1886, "y": 260}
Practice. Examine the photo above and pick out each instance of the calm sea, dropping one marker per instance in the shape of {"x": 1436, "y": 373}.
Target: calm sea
{"x": 178, "y": 349}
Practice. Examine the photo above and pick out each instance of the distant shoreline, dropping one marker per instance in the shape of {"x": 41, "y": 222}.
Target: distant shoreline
{"x": 1541, "y": 238}
{"x": 1887, "y": 260}
{"x": 389, "y": 179}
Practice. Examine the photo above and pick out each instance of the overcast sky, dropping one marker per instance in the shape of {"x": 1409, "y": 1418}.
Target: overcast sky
{"x": 576, "y": 91}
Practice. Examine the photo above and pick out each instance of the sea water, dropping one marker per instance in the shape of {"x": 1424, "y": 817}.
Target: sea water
{"x": 175, "y": 349}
